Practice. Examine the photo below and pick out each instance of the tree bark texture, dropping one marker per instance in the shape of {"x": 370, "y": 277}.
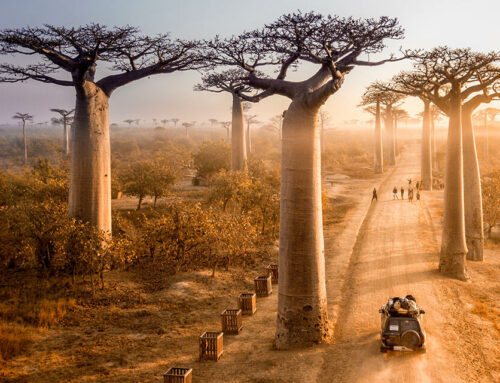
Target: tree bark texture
{"x": 238, "y": 141}
{"x": 453, "y": 243}
{"x": 426, "y": 149}
{"x": 302, "y": 302}
{"x": 474, "y": 233}
{"x": 90, "y": 180}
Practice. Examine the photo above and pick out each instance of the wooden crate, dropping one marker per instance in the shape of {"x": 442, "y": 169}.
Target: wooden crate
{"x": 247, "y": 302}
{"x": 272, "y": 269}
{"x": 231, "y": 321}
{"x": 263, "y": 286}
{"x": 178, "y": 375}
{"x": 211, "y": 345}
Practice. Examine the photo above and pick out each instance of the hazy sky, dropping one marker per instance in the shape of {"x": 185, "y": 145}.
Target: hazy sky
{"x": 428, "y": 23}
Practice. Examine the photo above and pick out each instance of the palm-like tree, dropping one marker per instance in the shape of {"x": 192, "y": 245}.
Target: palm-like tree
{"x": 24, "y": 117}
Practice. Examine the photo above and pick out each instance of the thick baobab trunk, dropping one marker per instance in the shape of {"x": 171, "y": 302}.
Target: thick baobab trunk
{"x": 238, "y": 142}
{"x": 426, "y": 149}
{"x": 389, "y": 127}
{"x": 25, "y": 157}
{"x": 379, "y": 146}
{"x": 474, "y": 233}
{"x": 453, "y": 244}
{"x": 66, "y": 138}
{"x": 90, "y": 176}
{"x": 302, "y": 302}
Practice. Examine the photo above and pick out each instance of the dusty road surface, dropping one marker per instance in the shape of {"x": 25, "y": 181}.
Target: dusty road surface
{"x": 396, "y": 254}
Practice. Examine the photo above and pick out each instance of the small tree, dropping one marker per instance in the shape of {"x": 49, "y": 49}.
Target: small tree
{"x": 211, "y": 157}
{"x": 136, "y": 180}
{"x": 162, "y": 175}
{"x": 24, "y": 117}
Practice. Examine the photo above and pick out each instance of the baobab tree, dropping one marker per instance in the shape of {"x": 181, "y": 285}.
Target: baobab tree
{"x": 378, "y": 150}
{"x": 231, "y": 81}
{"x": 417, "y": 87}
{"x": 65, "y": 120}
{"x": 323, "y": 120}
{"x": 487, "y": 113}
{"x": 455, "y": 76}
{"x": 175, "y": 121}
{"x": 250, "y": 119}
{"x": 77, "y": 52}
{"x": 164, "y": 121}
{"x": 226, "y": 125}
{"x": 334, "y": 45}
{"x": 24, "y": 117}
{"x": 188, "y": 125}
{"x": 436, "y": 115}
{"x": 398, "y": 114}
{"x": 212, "y": 122}
{"x": 373, "y": 102}
{"x": 129, "y": 121}
{"x": 375, "y": 94}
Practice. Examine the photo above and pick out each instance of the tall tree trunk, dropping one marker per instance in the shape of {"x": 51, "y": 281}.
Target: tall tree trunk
{"x": 433, "y": 143}
{"x": 66, "y": 138}
{"x": 426, "y": 151}
{"x": 25, "y": 157}
{"x": 474, "y": 233}
{"x": 379, "y": 145}
{"x": 249, "y": 139}
{"x": 238, "y": 142}
{"x": 486, "y": 137}
{"x": 453, "y": 244}
{"x": 302, "y": 302}
{"x": 389, "y": 127}
{"x": 396, "y": 140}
{"x": 90, "y": 177}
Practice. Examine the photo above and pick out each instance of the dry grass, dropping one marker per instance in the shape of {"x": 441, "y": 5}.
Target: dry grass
{"x": 42, "y": 313}
{"x": 14, "y": 339}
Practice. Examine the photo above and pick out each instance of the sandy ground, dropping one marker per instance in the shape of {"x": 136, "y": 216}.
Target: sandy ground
{"x": 376, "y": 251}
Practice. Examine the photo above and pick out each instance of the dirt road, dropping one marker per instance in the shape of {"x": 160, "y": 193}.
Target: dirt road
{"x": 396, "y": 254}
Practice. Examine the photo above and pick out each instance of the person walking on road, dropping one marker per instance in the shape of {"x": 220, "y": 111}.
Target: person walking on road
{"x": 402, "y": 193}
{"x": 395, "y": 193}
{"x": 410, "y": 193}
{"x": 418, "y": 195}
{"x": 374, "y": 195}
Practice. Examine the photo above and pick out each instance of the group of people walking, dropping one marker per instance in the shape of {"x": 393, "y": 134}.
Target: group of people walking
{"x": 411, "y": 191}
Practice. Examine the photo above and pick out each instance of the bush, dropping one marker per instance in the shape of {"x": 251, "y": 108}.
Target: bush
{"x": 491, "y": 200}
{"x": 211, "y": 158}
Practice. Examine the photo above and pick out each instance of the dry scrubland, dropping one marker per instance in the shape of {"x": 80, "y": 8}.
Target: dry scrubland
{"x": 71, "y": 312}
